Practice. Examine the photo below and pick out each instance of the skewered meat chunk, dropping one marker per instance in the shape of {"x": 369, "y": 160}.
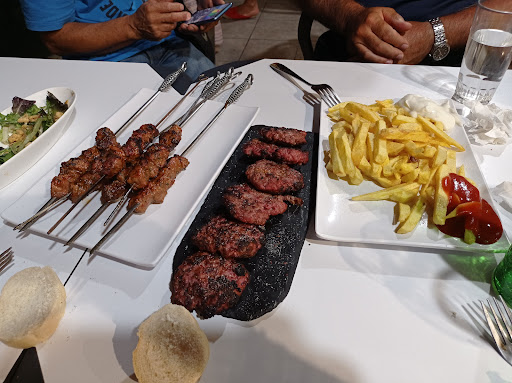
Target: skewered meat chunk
{"x": 156, "y": 190}
{"x": 84, "y": 184}
{"x": 112, "y": 191}
{"x": 260, "y": 149}
{"x": 283, "y": 136}
{"x": 271, "y": 177}
{"x": 112, "y": 158}
{"x": 208, "y": 284}
{"x": 171, "y": 138}
{"x": 154, "y": 158}
{"x": 148, "y": 166}
{"x": 229, "y": 238}
{"x": 251, "y": 206}
{"x": 71, "y": 170}
{"x": 138, "y": 141}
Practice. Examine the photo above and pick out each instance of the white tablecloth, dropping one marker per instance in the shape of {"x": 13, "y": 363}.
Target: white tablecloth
{"x": 354, "y": 313}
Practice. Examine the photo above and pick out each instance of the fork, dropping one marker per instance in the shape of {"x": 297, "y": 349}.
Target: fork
{"x": 500, "y": 326}
{"x": 324, "y": 90}
{"x": 6, "y": 258}
{"x": 310, "y": 98}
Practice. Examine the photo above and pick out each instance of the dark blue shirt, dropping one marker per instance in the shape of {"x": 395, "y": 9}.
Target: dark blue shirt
{"x": 421, "y": 10}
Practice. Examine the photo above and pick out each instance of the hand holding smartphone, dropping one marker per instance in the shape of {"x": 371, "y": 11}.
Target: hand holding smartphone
{"x": 208, "y": 15}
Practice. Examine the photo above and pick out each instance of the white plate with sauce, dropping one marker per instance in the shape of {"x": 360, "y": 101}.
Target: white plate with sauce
{"x": 25, "y": 159}
{"x": 338, "y": 218}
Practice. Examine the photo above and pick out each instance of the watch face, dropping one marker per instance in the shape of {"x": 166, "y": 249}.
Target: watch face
{"x": 441, "y": 52}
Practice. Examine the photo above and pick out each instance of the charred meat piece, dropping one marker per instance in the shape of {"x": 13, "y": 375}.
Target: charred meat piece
{"x": 112, "y": 158}
{"x": 83, "y": 185}
{"x": 208, "y": 284}
{"x": 229, "y": 238}
{"x": 283, "y": 136}
{"x": 112, "y": 191}
{"x": 154, "y": 158}
{"x": 138, "y": 141}
{"x": 251, "y": 206}
{"x": 291, "y": 156}
{"x": 71, "y": 171}
{"x": 271, "y": 177}
{"x": 171, "y": 138}
{"x": 148, "y": 166}
{"x": 156, "y": 190}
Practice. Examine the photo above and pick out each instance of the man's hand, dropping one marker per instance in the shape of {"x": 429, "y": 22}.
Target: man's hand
{"x": 421, "y": 40}
{"x": 156, "y": 19}
{"x": 377, "y": 35}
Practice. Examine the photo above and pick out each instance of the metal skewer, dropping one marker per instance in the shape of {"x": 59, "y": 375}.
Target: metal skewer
{"x": 201, "y": 79}
{"x": 235, "y": 95}
{"x": 53, "y": 202}
{"x": 211, "y": 89}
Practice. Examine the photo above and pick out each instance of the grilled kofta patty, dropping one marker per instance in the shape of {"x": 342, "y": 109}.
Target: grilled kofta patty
{"x": 251, "y": 206}
{"x": 260, "y": 149}
{"x": 229, "y": 238}
{"x": 208, "y": 284}
{"x": 283, "y": 136}
{"x": 271, "y": 177}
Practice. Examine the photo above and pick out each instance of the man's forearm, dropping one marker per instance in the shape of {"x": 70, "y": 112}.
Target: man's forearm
{"x": 457, "y": 25}
{"x": 91, "y": 39}
{"x": 334, "y": 14}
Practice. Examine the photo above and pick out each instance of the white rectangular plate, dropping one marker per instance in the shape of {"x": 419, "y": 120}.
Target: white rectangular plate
{"x": 338, "y": 218}
{"x": 144, "y": 239}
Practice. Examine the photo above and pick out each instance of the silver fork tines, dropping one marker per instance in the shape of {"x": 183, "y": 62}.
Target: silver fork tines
{"x": 6, "y": 258}
{"x": 310, "y": 98}
{"x": 324, "y": 90}
{"x": 499, "y": 320}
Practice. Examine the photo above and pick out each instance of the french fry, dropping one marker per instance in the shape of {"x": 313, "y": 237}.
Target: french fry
{"x": 413, "y": 219}
{"x": 337, "y": 164}
{"x": 363, "y": 110}
{"x": 441, "y": 197}
{"x": 431, "y": 128}
{"x": 451, "y": 161}
{"x": 359, "y": 145}
{"x": 398, "y": 193}
{"x": 380, "y": 149}
{"x": 346, "y": 159}
{"x": 403, "y": 211}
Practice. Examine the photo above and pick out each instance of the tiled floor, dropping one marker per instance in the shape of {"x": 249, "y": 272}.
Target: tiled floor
{"x": 271, "y": 34}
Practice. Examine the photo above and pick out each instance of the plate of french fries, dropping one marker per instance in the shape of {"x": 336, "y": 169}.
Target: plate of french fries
{"x": 380, "y": 174}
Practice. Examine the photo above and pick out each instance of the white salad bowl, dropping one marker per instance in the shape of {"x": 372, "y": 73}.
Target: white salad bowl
{"x": 25, "y": 159}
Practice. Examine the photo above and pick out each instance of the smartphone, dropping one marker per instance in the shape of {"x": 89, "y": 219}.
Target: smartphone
{"x": 208, "y": 15}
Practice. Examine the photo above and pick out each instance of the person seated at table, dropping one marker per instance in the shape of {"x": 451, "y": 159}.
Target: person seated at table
{"x": 393, "y": 31}
{"x": 120, "y": 30}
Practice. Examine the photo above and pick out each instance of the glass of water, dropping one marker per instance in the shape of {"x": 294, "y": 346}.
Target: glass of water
{"x": 488, "y": 53}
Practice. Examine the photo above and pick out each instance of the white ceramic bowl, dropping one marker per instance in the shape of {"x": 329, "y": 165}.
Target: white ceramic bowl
{"x": 25, "y": 159}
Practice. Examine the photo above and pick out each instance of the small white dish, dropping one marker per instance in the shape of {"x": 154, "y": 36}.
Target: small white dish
{"x": 338, "y": 218}
{"x": 24, "y": 160}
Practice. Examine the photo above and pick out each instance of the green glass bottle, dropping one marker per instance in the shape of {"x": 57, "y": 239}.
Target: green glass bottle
{"x": 502, "y": 277}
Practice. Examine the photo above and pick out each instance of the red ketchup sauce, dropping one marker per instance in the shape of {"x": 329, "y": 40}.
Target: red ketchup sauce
{"x": 473, "y": 213}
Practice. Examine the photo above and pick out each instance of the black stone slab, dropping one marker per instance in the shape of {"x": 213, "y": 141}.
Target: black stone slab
{"x": 273, "y": 267}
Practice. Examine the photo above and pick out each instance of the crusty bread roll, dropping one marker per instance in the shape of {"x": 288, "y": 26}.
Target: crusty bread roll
{"x": 32, "y": 304}
{"x": 171, "y": 348}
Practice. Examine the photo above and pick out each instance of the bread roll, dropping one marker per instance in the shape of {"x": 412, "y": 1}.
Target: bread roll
{"x": 171, "y": 348}
{"x": 32, "y": 304}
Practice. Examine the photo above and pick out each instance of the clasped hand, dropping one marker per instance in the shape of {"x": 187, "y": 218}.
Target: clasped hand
{"x": 381, "y": 35}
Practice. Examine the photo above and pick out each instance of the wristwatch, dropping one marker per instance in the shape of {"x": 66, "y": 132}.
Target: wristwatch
{"x": 440, "y": 49}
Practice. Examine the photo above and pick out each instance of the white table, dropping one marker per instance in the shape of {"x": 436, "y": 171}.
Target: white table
{"x": 353, "y": 314}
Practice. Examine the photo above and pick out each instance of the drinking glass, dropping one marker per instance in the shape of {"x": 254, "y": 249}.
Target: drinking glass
{"x": 488, "y": 53}
{"x": 502, "y": 277}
